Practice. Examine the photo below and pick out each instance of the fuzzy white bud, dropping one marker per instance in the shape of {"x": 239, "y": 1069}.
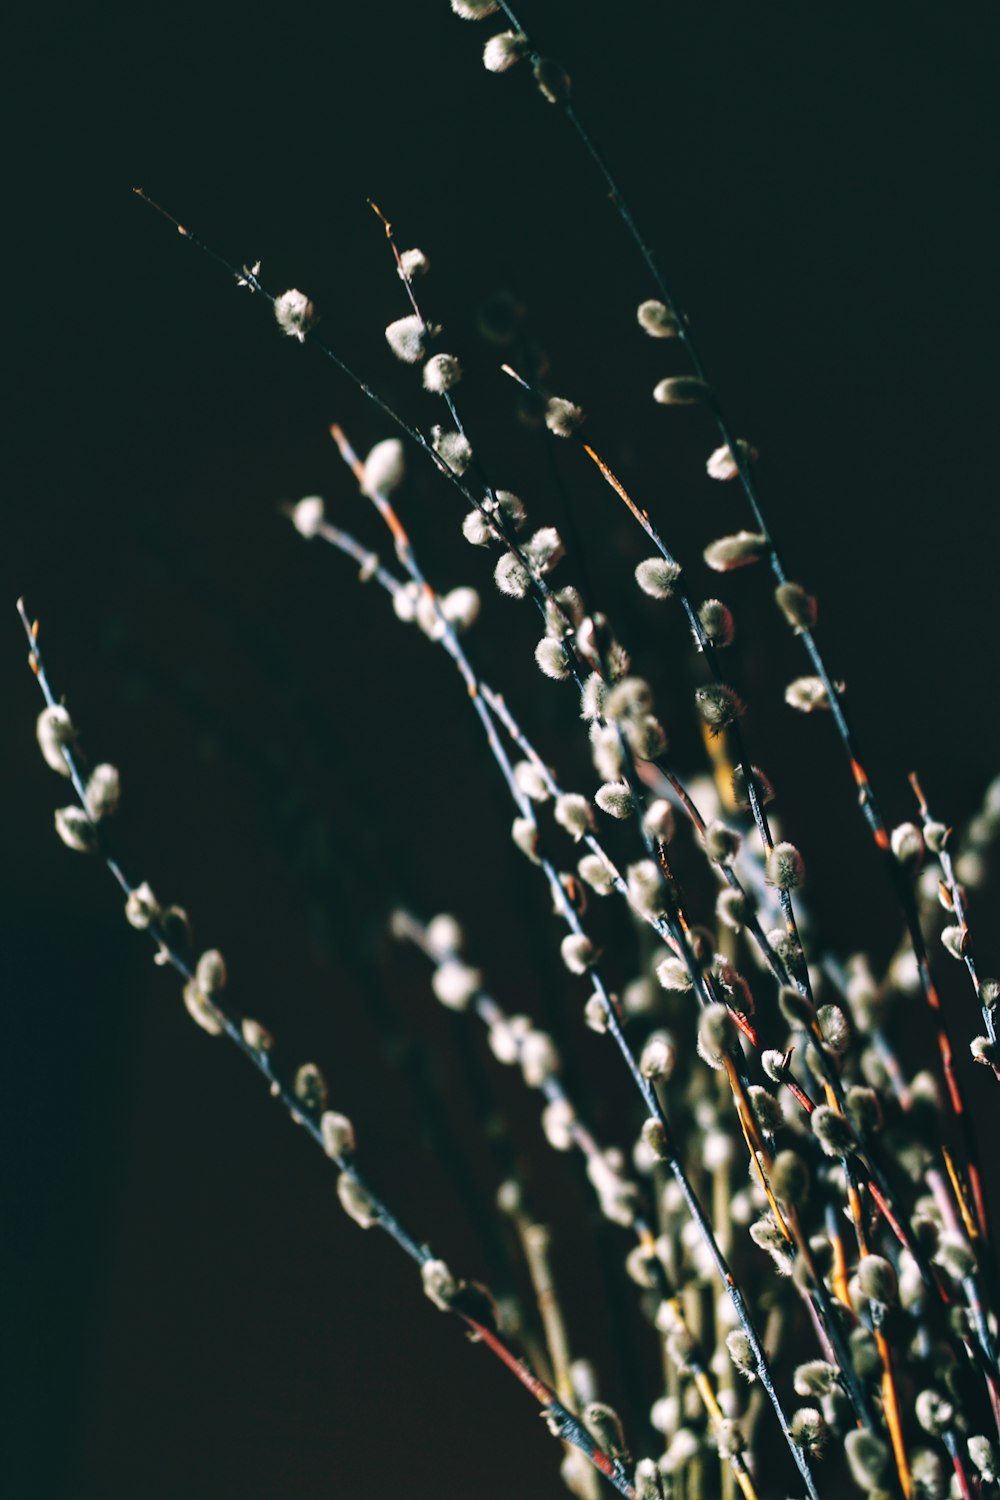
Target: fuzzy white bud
{"x": 75, "y": 829}
{"x": 657, "y": 577}
{"x": 504, "y": 50}
{"x": 308, "y": 515}
{"x": 578, "y": 952}
{"x": 615, "y": 799}
{"x": 385, "y": 467}
{"x": 54, "y": 729}
{"x": 103, "y": 791}
{"x": 562, "y": 417}
{"x": 573, "y": 812}
{"x": 295, "y": 314}
{"x": 413, "y": 263}
{"x": 551, "y": 658}
{"x": 338, "y": 1134}
{"x": 455, "y": 984}
{"x": 722, "y": 464}
{"x": 441, "y": 373}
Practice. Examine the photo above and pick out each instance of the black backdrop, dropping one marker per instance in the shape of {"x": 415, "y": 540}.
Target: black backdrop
{"x": 189, "y": 1312}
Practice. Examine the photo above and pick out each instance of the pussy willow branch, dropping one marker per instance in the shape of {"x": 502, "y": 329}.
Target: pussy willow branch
{"x": 869, "y": 803}
{"x": 649, "y": 1096}
{"x": 563, "y": 1422}
{"x": 956, "y": 896}
{"x": 818, "y": 1298}
{"x": 492, "y": 1014}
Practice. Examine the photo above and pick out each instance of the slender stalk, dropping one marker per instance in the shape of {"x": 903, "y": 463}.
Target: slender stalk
{"x": 867, "y": 798}
{"x": 561, "y": 1420}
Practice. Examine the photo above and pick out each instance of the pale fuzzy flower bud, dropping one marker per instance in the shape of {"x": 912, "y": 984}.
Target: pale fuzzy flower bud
{"x": 595, "y": 872}
{"x": 784, "y": 868}
{"x": 648, "y": 1480}
{"x": 665, "y": 1414}
{"x": 544, "y": 550}
{"x": 476, "y": 529}
{"x": 639, "y": 1269}
{"x": 655, "y": 1141}
{"x": 715, "y": 1034}
{"x": 506, "y": 1036}
{"x": 309, "y": 1087}
{"x": 504, "y": 50}
{"x": 76, "y": 830}
{"x": 658, "y": 1057}
{"x": 645, "y": 887}
{"x": 658, "y": 821}
{"x": 460, "y": 608}
{"x": 877, "y": 1280}
{"x": 741, "y": 1353}
{"x": 54, "y": 729}
{"x": 657, "y": 577}
{"x": 338, "y": 1135}
{"x": 934, "y": 1412}
{"x": 718, "y": 705}
{"x": 732, "y": 908}
{"x": 673, "y": 974}
{"x": 722, "y": 464}
{"x": 563, "y": 418}
{"x": 807, "y": 694}
{"x": 578, "y": 952}
{"x": 736, "y": 551}
{"x": 356, "y": 1201}
{"x": 814, "y": 1378}
{"x": 798, "y": 607}
{"x": 717, "y": 1151}
{"x": 551, "y": 658}
{"x": 717, "y": 622}
{"x": 984, "y": 1455}
{"x": 385, "y": 468}
{"x": 832, "y": 1131}
{"x": 606, "y": 751}
{"x": 985, "y": 1051}
{"x": 766, "y": 1108}
{"x": 308, "y": 516}
{"x": 141, "y": 907}
{"x": 573, "y": 812}
{"x": 557, "y": 1124}
{"x": 406, "y": 602}
{"x": 615, "y": 799}
{"x": 441, "y": 373}
{"x": 532, "y": 782}
{"x": 834, "y": 1028}
{"x": 407, "y": 338}
{"x": 474, "y": 10}
{"x": 103, "y": 791}
{"x": 683, "y": 1447}
{"x": 201, "y": 1010}
{"x": 439, "y": 1284}
{"x": 539, "y": 1059}
{"x": 722, "y": 844}
{"x": 729, "y": 1439}
{"x": 511, "y": 576}
{"x": 524, "y": 832}
{"x": 428, "y": 614}
{"x": 954, "y": 940}
{"x": 413, "y": 263}
{"x": 681, "y": 390}
{"x": 210, "y": 972}
{"x": 256, "y": 1036}
{"x": 868, "y": 1458}
{"x": 908, "y": 845}
{"x": 443, "y": 937}
{"x": 453, "y": 448}
{"x": 295, "y": 314}
{"x": 604, "y": 1425}
{"x": 595, "y": 1013}
{"x": 577, "y": 1474}
{"x": 629, "y": 698}
{"x": 809, "y": 1430}
{"x": 656, "y": 319}
{"x": 455, "y": 984}
{"x": 955, "y": 1256}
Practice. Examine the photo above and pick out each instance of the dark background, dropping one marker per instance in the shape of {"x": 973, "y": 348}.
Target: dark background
{"x": 189, "y": 1312}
